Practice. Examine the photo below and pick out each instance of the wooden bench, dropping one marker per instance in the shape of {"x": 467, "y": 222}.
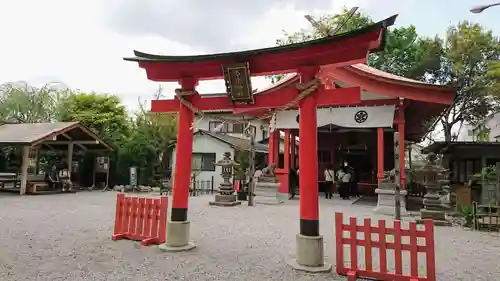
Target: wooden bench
{"x": 35, "y": 183}
{"x": 8, "y": 179}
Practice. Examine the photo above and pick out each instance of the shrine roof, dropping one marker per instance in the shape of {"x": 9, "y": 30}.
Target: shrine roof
{"x": 364, "y": 69}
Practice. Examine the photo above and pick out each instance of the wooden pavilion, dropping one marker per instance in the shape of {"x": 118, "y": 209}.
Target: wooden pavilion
{"x": 70, "y": 137}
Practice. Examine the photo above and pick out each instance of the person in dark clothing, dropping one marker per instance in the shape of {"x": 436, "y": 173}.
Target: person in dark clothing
{"x": 293, "y": 180}
{"x": 343, "y": 179}
{"x": 329, "y": 178}
{"x": 52, "y": 178}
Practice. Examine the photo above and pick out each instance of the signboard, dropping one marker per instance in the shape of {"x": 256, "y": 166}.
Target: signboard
{"x": 238, "y": 84}
{"x": 133, "y": 176}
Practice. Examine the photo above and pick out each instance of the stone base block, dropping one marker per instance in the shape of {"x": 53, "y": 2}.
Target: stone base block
{"x": 177, "y": 237}
{"x": 437, "y": 217}
{"x": 267, "y": 193}
{"x": 386, "y": 204}
{"x": 224, "y": 204}
{"x": 310, "y": 255}
{"x": 225, "y": 200}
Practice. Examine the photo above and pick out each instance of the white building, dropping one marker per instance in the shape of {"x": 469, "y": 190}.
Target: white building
{"x": 212, "y": 138}
{"x": 476, "y": 133}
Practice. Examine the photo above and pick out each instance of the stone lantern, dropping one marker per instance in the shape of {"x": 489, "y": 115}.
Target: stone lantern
{"x": 226, "y": 196}
{"x": 434, "y": 177}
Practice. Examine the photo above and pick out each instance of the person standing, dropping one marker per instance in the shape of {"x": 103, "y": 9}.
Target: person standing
{"x": 329, "y": 177}
{"x": 344, "y": 178}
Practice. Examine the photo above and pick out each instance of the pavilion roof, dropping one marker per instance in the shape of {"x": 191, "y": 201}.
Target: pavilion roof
{"x": 39, "y": 133}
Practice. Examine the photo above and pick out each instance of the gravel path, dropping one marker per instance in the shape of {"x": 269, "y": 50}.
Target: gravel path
{"x": 67, "y": 237}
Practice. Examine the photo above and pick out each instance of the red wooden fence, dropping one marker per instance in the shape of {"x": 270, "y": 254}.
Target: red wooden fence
{"x": 383, "y": 233}
{"x": 141, "y": 219}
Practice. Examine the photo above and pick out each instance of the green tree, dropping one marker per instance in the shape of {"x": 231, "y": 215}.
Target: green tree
{"x": 22, "y": 102}
{"x": 405, "y": 54}
{"x": 102, "y": 113}
{"x": 470, "y": 62}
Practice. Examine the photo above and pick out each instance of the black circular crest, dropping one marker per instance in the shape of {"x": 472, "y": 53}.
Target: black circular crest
{"x": 297, "y": 118}
{"x": 361, "y": 116}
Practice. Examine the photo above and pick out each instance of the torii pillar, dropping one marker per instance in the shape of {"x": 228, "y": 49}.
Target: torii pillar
{"x": 310, "y": 246}
{"x": 178, "y": 225}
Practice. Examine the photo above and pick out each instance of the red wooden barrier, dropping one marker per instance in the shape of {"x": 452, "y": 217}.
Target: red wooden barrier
{"x": 141, "y": 219}
{"x": 384, "y": 234}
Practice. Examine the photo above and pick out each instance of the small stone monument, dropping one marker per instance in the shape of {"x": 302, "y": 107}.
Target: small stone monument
{"x": 434, "y": 179}
{"x": 386, "y": 191}
{"x": 226, "y": 196}
{"x": 266, "y": 187}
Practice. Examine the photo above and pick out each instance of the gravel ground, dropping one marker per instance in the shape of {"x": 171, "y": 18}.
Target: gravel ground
{"x": 67, "y": 237}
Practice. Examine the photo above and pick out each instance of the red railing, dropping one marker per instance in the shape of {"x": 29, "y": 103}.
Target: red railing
{"x": 141, "y": 219}
{"x": 383, "y": 245}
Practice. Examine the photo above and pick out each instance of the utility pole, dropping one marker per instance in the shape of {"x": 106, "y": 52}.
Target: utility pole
{"x": 251, "y": 167}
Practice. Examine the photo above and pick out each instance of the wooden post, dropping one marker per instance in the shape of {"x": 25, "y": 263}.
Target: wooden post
{"x": 70, "y": 159}
{"x": 24, "y": 168}
{"x": 251, "y": 172}
{"x": 37, "y": 160}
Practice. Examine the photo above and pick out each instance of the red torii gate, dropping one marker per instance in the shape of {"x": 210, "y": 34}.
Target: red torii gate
{"x": 303, "y": 58}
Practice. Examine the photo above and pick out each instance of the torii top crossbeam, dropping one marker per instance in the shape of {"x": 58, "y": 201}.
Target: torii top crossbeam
{"x": 344, "y": 49}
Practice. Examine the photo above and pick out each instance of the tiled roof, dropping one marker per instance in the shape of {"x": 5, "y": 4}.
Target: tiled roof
{"x": 237, "y": 143}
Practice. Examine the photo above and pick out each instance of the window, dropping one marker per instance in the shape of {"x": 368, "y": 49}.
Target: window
{"x": 238, "y": 128}
{"x": 203, "y": 162}
{"x": 215, "y": 126}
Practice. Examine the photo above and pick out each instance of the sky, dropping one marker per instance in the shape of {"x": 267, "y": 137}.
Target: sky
{"x": 81, "y": 43}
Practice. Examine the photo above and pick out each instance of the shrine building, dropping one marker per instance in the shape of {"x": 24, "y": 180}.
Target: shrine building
{"x": 340, "y": 109}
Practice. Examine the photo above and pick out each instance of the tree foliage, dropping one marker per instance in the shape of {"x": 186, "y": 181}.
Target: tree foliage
{"x": 467, "y": 59}
{"x": 471, "y": 55}
{"x": 22, "y": 102}
{"x": 143, "y": 140}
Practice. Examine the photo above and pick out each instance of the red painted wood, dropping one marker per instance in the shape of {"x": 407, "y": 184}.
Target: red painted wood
{"x": 354, "y": 246}
{"x": 373, "y": 83}
{"x": 141, "y": 216}
{"x": 133, "y": 216}
{"x": 119, "y": 212}
{"x": 398, "y": 254}
{"x": 381, "y": 243}
{"x": 162, "y": 233}
{"x": 414, "y": 249}
{"x": 368, "y": 248}
{"x": 429, "y": 250}
{"x": 382, "y": 230}
{"x": 339, "y": 246}
{"x": 141, "y": 219}
{"x": 341, "y": 52}
{"x": 308, "y": 151}
{"x": 148, "y": 212}
{"x": 275, "y": 99}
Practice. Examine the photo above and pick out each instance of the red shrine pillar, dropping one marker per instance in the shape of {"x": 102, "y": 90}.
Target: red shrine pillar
{"x": 178, "y": 225}
{"x": 293, "y": 149}
{"x": 273, "y": 148}
{"x": 401, "y": 132}
{"x": 310, "y": 248}
{"x": 380, "y": 154}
